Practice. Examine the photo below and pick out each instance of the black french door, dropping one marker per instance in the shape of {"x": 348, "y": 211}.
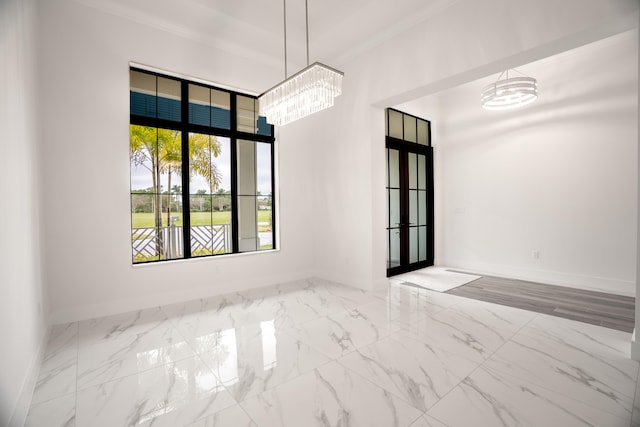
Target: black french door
{"x": 410, "y": 237}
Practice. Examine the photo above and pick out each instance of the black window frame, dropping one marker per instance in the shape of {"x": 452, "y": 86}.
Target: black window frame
{"x": 185, "y": 127}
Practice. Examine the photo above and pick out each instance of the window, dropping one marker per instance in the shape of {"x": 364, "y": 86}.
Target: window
{"x": 202, "y": 180}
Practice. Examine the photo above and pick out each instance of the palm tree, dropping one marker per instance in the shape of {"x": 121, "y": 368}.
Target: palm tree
{"x": 160, "y": 152}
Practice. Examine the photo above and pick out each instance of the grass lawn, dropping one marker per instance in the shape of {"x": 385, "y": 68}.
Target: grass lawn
{"x": 146, "y": 220}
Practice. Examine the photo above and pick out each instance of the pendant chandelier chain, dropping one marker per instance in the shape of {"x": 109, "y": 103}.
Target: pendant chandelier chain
{"x": 306, "y": 16}
{"x": 306, "y": 92}
{"x": 286, "y": 75}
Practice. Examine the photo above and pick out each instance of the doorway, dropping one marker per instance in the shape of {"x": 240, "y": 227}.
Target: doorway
{"x": 409, "y": 181}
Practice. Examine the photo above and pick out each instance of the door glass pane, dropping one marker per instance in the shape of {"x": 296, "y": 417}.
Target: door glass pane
{"x": 395, "y": 124}
{"x": 422, "y": 208}
{"x": 414, "y": 207}
{"x": 422, "y": 172}
{"x": 394, "y": 248}
{"x": 413, "y": 171}
{"x": 394, "y": 169}
{"x": 394, "y": 208}
{"x": 410, "y": 128}
{"x": 422, "y": 236}
{"x": 413, "y": 244}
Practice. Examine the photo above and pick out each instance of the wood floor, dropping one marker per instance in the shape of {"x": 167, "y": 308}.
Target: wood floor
{"x": 598, "y": 308}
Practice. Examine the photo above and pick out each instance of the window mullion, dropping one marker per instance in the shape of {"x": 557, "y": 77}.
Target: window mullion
{"x": 234, "y": 179}
{"x": 186, "y": 172}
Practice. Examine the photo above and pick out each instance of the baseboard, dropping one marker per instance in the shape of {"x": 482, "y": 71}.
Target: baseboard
{"x": 635, "y": 347}
{"x": 21, "y": 409}
{"x": 109, "y": 308}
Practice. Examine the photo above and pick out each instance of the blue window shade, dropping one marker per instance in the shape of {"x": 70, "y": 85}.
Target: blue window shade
{"x": 142, "y": 104}
{"x": 169, "y": 109}
{"x": 264, "y": 128}
{"x": 220, "y": 118}
{"x": 200, "y": 114}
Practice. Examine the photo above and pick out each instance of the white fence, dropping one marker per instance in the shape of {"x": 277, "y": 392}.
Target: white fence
{"x": 156, "y": 243}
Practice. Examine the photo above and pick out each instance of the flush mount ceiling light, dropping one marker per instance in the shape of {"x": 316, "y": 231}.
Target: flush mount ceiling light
{"x": 510, "y": 92}
{"x": 308, "y": 91}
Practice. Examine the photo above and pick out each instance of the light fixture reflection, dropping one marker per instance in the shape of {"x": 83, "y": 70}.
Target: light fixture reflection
{"x": 269, "y": 345}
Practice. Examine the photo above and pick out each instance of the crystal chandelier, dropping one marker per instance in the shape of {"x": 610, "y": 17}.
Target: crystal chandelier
{"x": 509, "y": 92}
{"x": 310, "y": 90}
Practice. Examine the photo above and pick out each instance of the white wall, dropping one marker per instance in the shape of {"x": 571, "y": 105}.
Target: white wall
{"x": 558, "y": 176}
{"x": 331, "y": 165}
{"x": 85, "y": 111}
{"x": 465, "y": 42}
{"x": 23, "y": 307}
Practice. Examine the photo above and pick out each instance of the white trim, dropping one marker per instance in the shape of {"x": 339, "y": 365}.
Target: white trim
{"x": 141, "y": 302}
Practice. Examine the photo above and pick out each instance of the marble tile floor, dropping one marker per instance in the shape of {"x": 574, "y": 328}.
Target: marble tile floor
{"x": 314, "y": 353}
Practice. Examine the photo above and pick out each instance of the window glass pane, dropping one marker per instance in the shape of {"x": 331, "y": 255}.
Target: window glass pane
{"x": 394, "y": 169}
{"x": 247, "y": 224}
{"x": 265, "y": 222}
{"x": 410, "y": 128}
{"x": 169, "y": 99}
{"x": 264, "y": 195}
{"x": 142, "y": 96}
{"x": 156, "y": 194}
{"x": 423, "y": 132}
{"x": 246, "y": 153}
{"x": 221, "y": 109}
{"x": 395, "y": 124}
{"x": 210, "y": 198}
{"x": 247, "y": 114}
{"x": 199, "y": 105}
{"x": 248, "y": 197}
{"x": 264, "y": 128}
{"x": 209, "y": 107}
{"x": 169, "y": 161}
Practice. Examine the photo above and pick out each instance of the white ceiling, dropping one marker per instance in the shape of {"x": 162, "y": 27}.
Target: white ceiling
{"x": 338, "y": 29}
